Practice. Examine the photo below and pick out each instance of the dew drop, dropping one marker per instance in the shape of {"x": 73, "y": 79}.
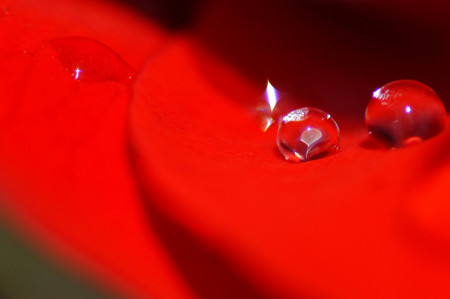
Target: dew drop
{"x": 404, "y": 112}
{"x": 89, "y": 60}
{"x": 307, "y": 133}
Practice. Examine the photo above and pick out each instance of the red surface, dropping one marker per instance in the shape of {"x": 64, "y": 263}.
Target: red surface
{"x": 342, "y": 226}
{"x": 64, "y": 161}
{"x": 167, "y": 186}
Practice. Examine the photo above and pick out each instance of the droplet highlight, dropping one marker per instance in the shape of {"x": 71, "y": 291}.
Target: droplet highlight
{"x": 265, "y": 109}
{"x": 273, "y": 106}
{"x": 404, "y": 112}
{"x": 306, "y": 134}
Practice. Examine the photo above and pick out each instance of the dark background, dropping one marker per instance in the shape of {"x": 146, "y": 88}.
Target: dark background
{"x": 332, "y": 53}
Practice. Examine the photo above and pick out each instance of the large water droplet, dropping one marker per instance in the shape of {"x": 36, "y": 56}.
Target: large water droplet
{"x": 404, "y": 112}
{"x": 307, "y": 133}
{"x": 89, "y": 60}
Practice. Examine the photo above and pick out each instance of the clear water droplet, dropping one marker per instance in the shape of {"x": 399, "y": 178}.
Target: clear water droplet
{"x": 89, "y": 60}
{"x": 404, "y": 112}
{"x": 307, "y": 133}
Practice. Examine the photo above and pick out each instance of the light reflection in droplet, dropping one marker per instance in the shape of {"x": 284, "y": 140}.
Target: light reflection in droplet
{"x": 408, "y": 109}
{"x": 271, "y": 95}
{"x": 299, "y": 115}
{"x": 267, "y": 121}
{"x": 310, "y": 136}
{"x": 381, "y": 95}
{"x": 376, "y": 93}
{"x": 265, "y": 109}
{"x": 77, "y": 73}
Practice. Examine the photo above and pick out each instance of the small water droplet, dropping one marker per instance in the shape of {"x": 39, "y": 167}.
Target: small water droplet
{"x": 404, "y": 112}
{"x": 89, "y": 60}
{"x": 307, "y": 133}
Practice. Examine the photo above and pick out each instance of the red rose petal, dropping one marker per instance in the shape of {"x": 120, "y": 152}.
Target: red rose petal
{"x": 331, "y": 227}
{"x": 238, "y": 220}
{"x": 63, "y": 157}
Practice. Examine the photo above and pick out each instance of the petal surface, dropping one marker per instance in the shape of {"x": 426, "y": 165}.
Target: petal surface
{"x": 334, "y": 227}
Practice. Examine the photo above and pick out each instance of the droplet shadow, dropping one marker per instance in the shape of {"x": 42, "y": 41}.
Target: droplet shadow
{"x": 370, "y": 144}
{"x": 277, "y": 153}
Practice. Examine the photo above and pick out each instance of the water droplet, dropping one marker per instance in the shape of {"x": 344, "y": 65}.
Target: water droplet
{"x": 307, "y": 133}
{"x": 89, "y": 60}
{"x": 404, "y": 112}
